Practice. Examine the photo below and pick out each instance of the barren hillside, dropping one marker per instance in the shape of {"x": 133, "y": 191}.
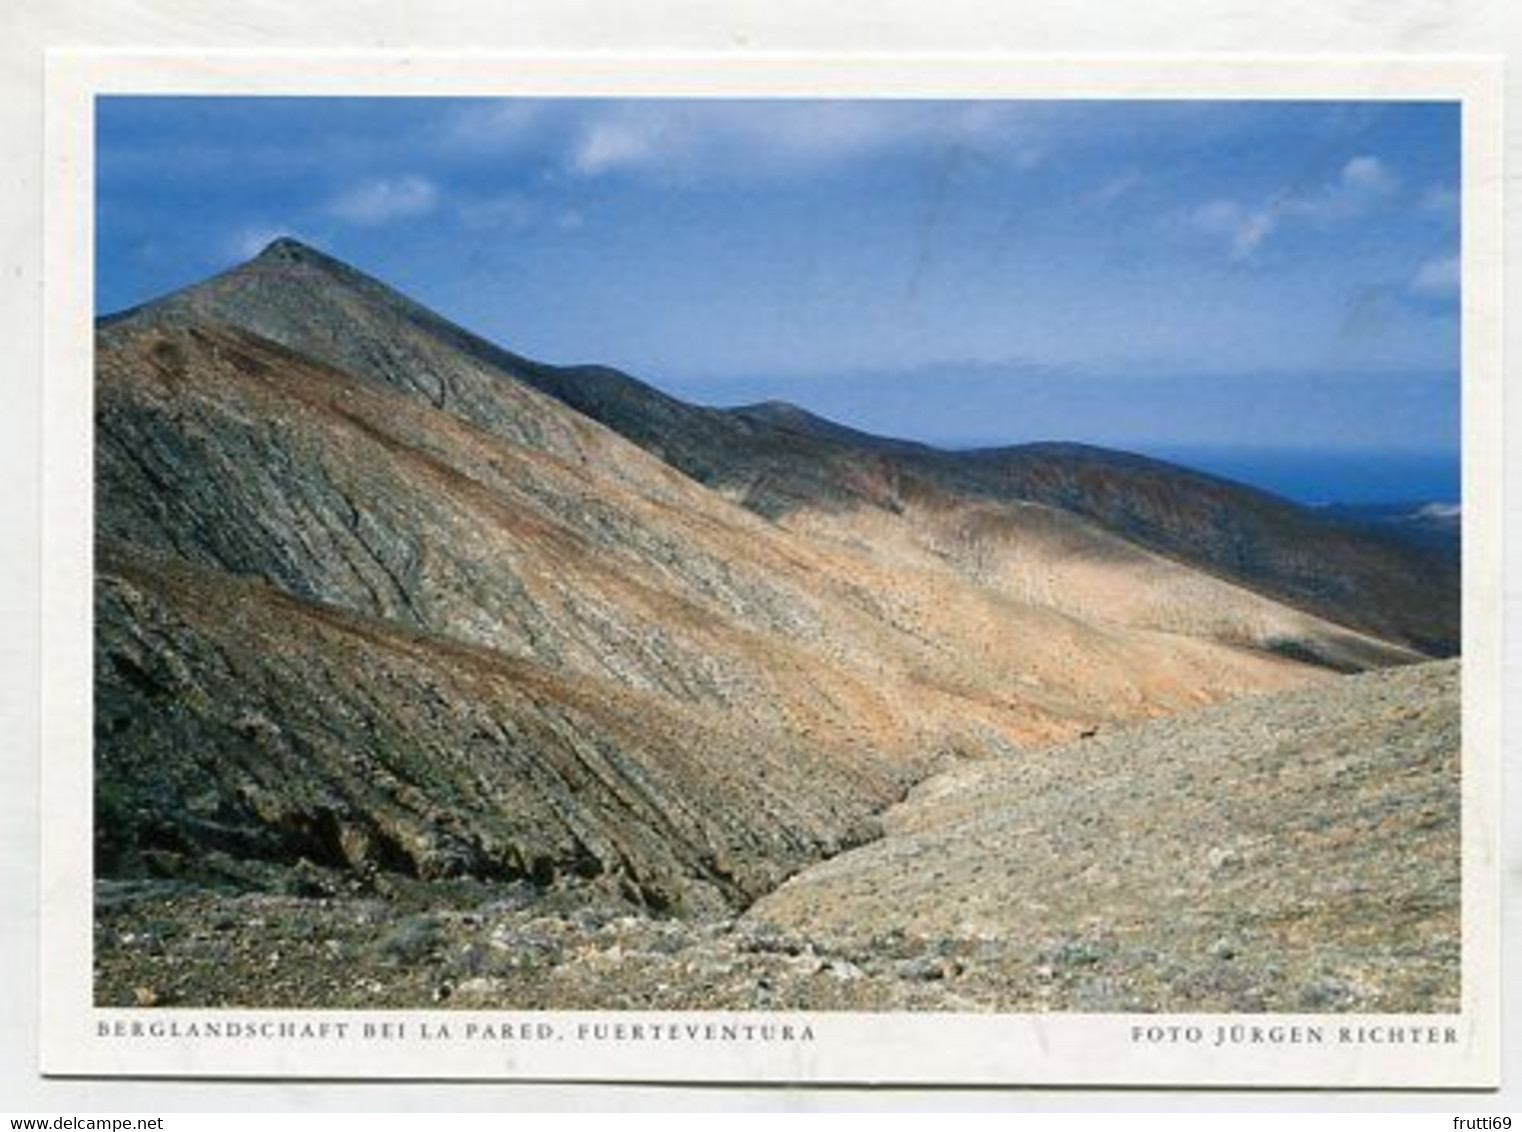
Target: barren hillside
{"x": 383, "y": 609}
{"x": 1293, "y": 852}
{"x": 1288, "y": 853}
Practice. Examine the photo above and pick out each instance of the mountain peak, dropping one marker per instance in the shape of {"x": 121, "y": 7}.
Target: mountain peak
{"x": 246, "y": 293}
{"x": 285, "y": 247}
{"x": 290, "y": 250}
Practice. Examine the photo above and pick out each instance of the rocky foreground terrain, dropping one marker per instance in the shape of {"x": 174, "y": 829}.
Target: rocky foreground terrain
{"x": 1297, "y": 852}
{"x": 428, "y": 673}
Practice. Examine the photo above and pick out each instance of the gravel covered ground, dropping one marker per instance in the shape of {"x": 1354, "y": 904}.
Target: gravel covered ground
{"x": 1291, "y": 852}
{"x": 1298, "y": 852}
{"x": 164, "y": 946}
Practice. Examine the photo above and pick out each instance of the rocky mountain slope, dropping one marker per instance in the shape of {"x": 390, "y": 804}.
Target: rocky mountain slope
{"x": 255, "y": 507}
{"x": 1288, "y": 853}
{"x": 1295, "y": 852}
{"x": 781, "y": 461}
{"x": 381, "y": 602}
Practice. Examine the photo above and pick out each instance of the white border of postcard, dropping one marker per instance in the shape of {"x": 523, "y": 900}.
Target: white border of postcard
{"x": 1329, "y": 1050}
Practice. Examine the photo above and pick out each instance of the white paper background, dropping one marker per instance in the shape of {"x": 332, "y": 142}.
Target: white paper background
{"x": 1350, "y": 27}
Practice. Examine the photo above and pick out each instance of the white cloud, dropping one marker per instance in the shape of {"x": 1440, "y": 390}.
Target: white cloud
{"x": 1438, "y": 278}
{"x": 1367, "y": 174}
{"x": 1241, "y": 229}
{"x": 384, "y": 200}
{"x": 687, "y": 141}
{"x": 612, "y": 144}
{"x": 1363, "y": 183}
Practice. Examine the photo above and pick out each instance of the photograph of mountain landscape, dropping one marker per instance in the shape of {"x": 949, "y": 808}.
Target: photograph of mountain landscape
{"x": 777, "y": 554}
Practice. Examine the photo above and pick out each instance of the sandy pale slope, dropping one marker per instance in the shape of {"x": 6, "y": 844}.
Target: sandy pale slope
{"x": 1289, "y": 852}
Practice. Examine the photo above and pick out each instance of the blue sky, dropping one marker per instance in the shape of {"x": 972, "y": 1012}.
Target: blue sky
{"x": 1170, "y": 277}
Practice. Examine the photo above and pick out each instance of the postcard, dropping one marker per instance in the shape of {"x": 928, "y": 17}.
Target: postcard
{"x": 789, "y": 569}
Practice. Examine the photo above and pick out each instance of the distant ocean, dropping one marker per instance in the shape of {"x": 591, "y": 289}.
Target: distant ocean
{"x": 1333, "y": 477}
{"x": 1315, "y": 441}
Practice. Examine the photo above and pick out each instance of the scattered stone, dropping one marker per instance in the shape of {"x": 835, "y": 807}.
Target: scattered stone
{"x": 843, "y": 970}
{"x": 1223, "y": 857}
{"x": 925, "y": 967}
